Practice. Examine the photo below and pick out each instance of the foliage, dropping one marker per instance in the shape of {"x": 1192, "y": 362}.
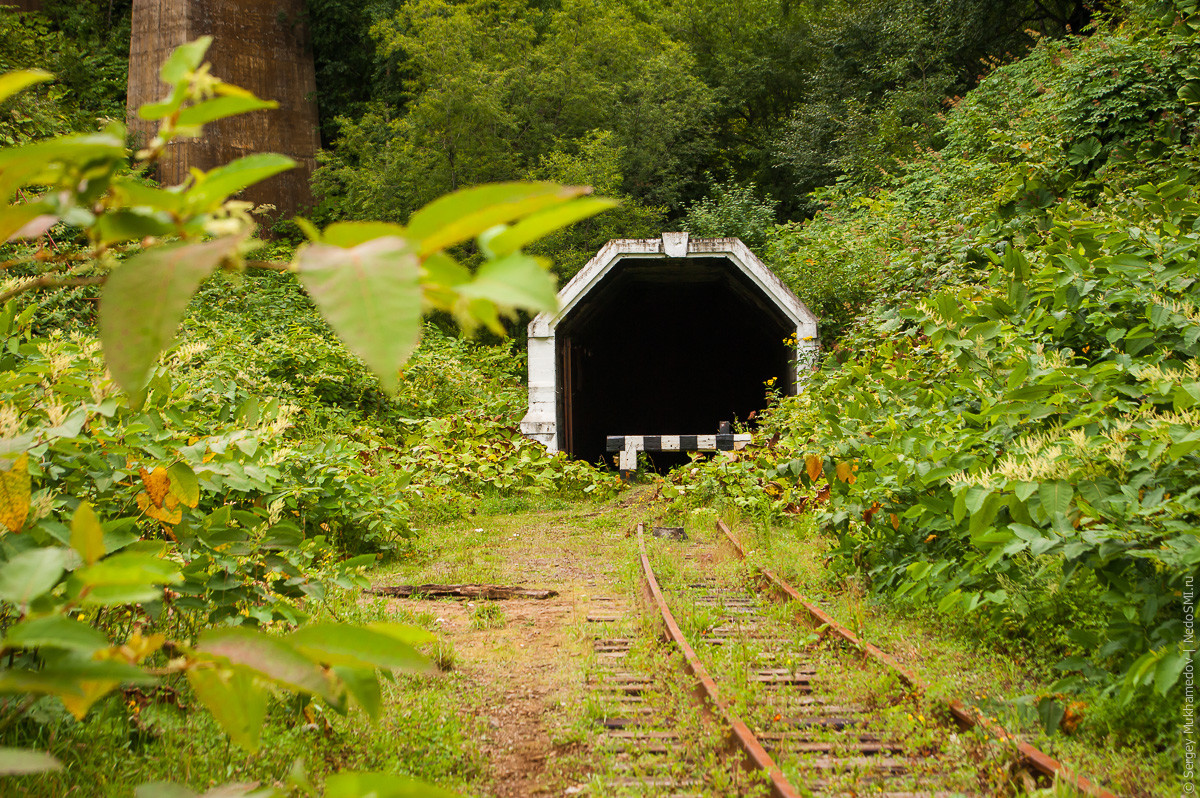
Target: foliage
{"x": 199, "y": 536}
{"x": 88, "y": 56}
{"x": 499, "y": 91}
{"x": 1005, "y": 432}
{"x": 732, "y": 211}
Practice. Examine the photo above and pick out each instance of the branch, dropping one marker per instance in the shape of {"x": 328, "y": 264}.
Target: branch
{"x": 50, "y": 281}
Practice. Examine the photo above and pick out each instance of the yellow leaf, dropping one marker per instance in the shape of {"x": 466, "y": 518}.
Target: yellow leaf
{"x": 137, "y": 648}
{"x": 168, "y": 515}
{"x": 843, "y": 472}
{"x": 814, "y": 465}
{"x": 157, "y": 483}
{"x": 14, "y": 494}
{"x": 87, "y": 537}
{"x": 90, "y": 691}
{"x": 895, "y": 521}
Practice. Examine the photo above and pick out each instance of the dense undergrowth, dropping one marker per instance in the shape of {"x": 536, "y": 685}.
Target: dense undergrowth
{"x": 1004, "y": 428}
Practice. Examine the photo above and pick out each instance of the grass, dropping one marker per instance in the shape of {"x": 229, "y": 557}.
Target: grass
{"x": 127, "y": 740}
{"x": 486, "y": 615}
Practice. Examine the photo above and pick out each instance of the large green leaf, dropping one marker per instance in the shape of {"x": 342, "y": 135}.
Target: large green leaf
{"x": 514, "y": 281}
{"x": 381, "y": 785}
{"x": 464, "y": 214}
{"x": 363, "y": 685}
{"x": 351, "y": 234}
{"x": 404, "y": 632}
{"x": 144, "y": 300}
{"x": 356, "y": 647}
{"x": 56, "y": 631}
{"x": 124, "y": 578}
{"x": 31, "y": 574}
{"x": 217, "y": 185}
{"x": 533, "y": 227}
{"x": 370, "y": 294}
{"x": 69, "y": 675}
{"x": 19, "y": 761}
{"x": 221, "y": 108}
{"x": 41, "y": 162}
{"x": 184, "y": 59}
{"x": 13, "y": 218}
{"x": 236, "y": 698}
{"x": 14, "y": 82}
{"x": 270, "y": 656}
{"x": 133, "y": 224}
{"x": 1056, "y": 497}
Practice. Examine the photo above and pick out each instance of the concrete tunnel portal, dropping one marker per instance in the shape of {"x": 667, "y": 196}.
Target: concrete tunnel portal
{"x": 661, "y": 337}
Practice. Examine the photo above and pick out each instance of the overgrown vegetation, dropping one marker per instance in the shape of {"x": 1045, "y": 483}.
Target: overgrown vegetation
{"x": 1003, "y": 427}
{"x": 170, "y": 535}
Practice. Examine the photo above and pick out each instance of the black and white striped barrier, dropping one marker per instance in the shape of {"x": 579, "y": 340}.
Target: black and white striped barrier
{"x": 630, "y": 445}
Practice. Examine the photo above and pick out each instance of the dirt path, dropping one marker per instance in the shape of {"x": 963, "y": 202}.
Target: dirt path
{"x": 524, "y": 657}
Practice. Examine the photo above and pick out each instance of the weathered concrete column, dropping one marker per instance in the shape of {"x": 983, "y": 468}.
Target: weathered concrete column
{"x": 261, "y": 45}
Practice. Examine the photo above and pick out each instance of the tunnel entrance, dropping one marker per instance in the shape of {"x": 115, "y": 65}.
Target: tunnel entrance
{"x": 667, "y": 347}
{"x": 661, "y": 338}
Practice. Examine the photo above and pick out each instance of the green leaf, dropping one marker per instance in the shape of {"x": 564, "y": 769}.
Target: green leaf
{"x": 125, "y": 578}
{"x": 217, "y": 185}
{"x": 986, "y": 330}
{"x": 381, "y": 785}
{"x": 42, "y": 162}
{"x": 1190, "y": 92}
{"x": 236, "y": 699}
{"x": 31, "y": 574}
{"x": 356, "y": 647}
{"x": 221, "y": 108}
{"x": 537, "y": 225}
{"x": 351, "y": 234}
{"x": 13, "y": 82}
{"x": 514, "y": 281}
{"x": 68, "y": 675}
{"x": 56, "y": 631}
{"x": 1083, "y": 151}
{"x": 87, "y": 536}
{"x": 144, "y": 300}
{"x": 466, "y": 213}
{"x": 1056, "y": 497}
{"x": 15, "y": 218}
{"x": 184, "y": 485}
{"x": 129, "y": 224}
{"x": 363, "y": 685}
{"x": 370, "y": 294}
{"x": 19, "y": 761}
{"x": 269, "y": 656}
{"x": 405, "y": 633}
{"x": 184, "y": 59}
{"x": 1166, "y": 674}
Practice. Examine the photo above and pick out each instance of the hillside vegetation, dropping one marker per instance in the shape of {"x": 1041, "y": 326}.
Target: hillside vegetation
{"x": 1004, "y": 429}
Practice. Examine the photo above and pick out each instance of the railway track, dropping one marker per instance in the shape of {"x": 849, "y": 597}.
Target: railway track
{"x": 790, "y": 703}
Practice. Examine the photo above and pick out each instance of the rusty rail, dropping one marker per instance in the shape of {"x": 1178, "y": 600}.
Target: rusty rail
{"x": 740, "y": 732}
{"x": 1035, "y": 759}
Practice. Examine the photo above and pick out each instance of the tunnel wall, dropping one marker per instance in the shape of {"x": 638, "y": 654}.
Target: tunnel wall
{"x": 667, "y": 333}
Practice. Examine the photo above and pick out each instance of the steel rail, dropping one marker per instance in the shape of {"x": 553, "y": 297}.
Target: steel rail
{"x": 742, "y": 736}
{"x": 968, "y": 717}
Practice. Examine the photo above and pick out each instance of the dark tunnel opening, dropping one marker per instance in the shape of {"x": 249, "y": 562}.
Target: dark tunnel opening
{"x": 667, "y": 347}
